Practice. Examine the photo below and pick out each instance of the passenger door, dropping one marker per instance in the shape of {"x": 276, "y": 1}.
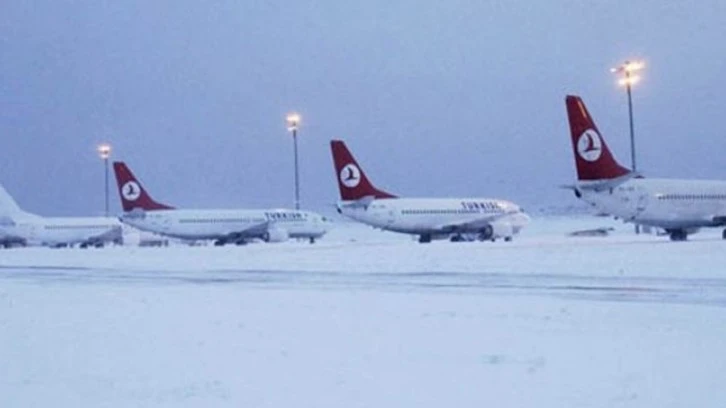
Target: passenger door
{"x": 641, "y": 201}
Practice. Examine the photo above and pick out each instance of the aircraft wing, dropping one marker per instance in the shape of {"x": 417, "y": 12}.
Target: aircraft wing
{"x": 601, "y": 185}
{"x": 113, "y": 234}
{"x": 471, "y": 226}
{"x": 252, "y": 231}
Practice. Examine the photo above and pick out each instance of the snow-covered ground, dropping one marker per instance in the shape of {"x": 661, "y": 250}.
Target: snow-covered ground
{"x": 367, "y": 318}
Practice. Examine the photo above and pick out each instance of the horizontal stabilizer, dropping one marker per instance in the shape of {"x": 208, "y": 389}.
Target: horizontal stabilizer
{"x": 605, "y": 184}
{"x": 359, "y": 203}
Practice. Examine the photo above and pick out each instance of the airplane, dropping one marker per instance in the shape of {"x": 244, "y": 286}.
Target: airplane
{"x": 457, "y": 219}
{"x": 21, "y": 228}
{"x": 680, "y": 207}
{"x": 223, "y": 226}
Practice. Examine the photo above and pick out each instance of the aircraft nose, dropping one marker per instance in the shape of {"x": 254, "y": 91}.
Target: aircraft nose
{"x": 524, "y": 219}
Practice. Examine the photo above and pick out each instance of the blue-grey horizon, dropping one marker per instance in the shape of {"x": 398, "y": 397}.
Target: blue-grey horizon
{"x": 457, "y": 98}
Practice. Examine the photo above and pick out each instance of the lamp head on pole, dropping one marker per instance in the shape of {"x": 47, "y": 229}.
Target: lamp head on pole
{"x": 104, "y": 150}
{"x": 629, "y": 69}
{"x": 293, "y": 121}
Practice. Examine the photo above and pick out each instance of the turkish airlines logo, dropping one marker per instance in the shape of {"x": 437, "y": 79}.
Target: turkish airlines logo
{"x": 589, "y": 145}
{"x": 350, "y": 175}
{"x": 131, "y": 191}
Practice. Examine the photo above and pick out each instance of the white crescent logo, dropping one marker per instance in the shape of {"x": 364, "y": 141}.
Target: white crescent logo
{"x": 589, "y": 145}
{"x": 350, "y": 175}
{"x": 131, "y": 191}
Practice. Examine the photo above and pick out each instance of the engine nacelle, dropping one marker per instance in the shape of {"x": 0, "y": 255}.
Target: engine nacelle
{"x": 276, "y": 235}
{"x": 502, "y": 229}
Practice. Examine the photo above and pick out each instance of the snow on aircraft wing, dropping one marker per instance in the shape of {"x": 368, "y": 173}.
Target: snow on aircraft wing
{"x": 472, "y": 226}
{"x": 112, "y": 234}
{"x": 602, "y": 185}
{"x": 359, "y": 203}
{"x": 253, "y": 231}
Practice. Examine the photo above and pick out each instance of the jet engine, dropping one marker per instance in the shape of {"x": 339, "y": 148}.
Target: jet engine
{"x": 497, "y": 229}
{"x": 276, "y": 235}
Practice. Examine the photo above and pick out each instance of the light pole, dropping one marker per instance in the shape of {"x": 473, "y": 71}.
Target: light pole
{"x": 293, "y": 122}
{"x": 630, "y": 78}
{"x": 104, "y": 151}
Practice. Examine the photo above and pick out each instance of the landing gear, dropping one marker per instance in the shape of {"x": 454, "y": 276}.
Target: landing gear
{"x": 457, "y": 238}
{"x": 723, "y": 235}
{"x": 679, "y": 235}
{"x": 219, "y": 242}
{"x": 424, "y": 238}
{"x": 486, "y": 233}
{"x": 312, "y": 240}
{"x": 507, "y": 239}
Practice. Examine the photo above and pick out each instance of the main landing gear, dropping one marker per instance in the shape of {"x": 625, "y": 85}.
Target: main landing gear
{"x": 424, "y": 238}
{"x": 723, "y": 234}
{"x": 486, "y": 233}
{"x": 680, "y": 235}
{"x": 223, "y": 242}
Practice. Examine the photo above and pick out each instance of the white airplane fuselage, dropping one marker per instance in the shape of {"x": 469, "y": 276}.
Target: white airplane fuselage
{"x": 439, "y": 217}
{"x": 33, "y": 230}
{"x": 273, "y": 225}
{"x": 670, "y": 204}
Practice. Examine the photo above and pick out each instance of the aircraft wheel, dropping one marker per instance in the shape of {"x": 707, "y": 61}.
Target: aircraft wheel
{"x": 424, "y": 239}
{"x": 507, "y": 239}
{"x": 312, "y": 240}
{"x": 723, "y": 234}
{"x": 678, "y": 235}
{"x": 219, "y": 242}
{"x": 486, "y": 233}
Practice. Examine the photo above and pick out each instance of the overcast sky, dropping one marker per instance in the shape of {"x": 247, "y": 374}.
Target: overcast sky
{"x": 435, "y": 98}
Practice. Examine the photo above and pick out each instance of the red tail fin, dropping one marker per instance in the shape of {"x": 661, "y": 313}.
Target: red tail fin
{"x": 352, "y": 182}
{"x": 592, "y": 156}
{"x": 132, "y": 193}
